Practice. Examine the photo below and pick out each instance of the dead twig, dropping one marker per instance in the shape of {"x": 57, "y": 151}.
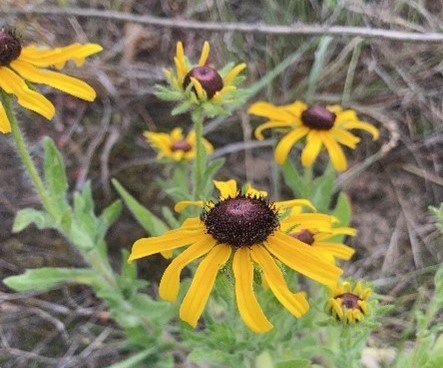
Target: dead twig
{"x": 257, "y": 28}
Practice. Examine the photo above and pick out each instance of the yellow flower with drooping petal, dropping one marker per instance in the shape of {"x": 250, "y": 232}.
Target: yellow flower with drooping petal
{"x": 19, "y": 65}
{"x": 201, "y": 84}
{"x": 174, "y": 145}
{"x": 348, "y": 304}
{"x": 246, "y": 227}
{"x": 322, "y": 126}
{"x": 319, "y": 237}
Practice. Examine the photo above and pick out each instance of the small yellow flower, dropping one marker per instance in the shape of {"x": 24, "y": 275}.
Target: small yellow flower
{"x": 328, "y": 126}
{"x": 19, "y": 65}
{"x": 174, "y": 145}
{"x": 347, "y": 304}
{"x": 246, "y": 227}
{"x": 200, "y": 83}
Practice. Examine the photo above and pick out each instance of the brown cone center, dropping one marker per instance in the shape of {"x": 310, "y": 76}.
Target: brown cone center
{"x": 318, "y": 117}
{"x": 349, "y": 300}
{"x": 208, "y": 77}
{"x": 304, "y": 236}
{"x": 241, "y": 221}
{"x": 10, "y": 47}
{"x": 181, "y": 146}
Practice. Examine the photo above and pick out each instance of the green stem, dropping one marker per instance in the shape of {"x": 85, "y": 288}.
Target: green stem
{"x": 200, "y": 154}
{"x": 25, "y": 156}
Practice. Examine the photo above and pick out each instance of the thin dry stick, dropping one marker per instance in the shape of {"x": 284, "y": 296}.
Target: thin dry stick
{"x": 257, "y": 28}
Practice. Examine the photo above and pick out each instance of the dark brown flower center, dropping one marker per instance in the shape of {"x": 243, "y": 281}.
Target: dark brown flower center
{"x": 349, "y": 301}
{"x": 208, "y": 77}
{"x": 181, "y": 146}
{"x": 304, "y": 236}
{"x": 318, "y": 117}
{"x": 10, "y": 47}
{"x": 241, "y": 221}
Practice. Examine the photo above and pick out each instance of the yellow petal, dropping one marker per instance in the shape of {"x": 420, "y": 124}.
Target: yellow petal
{"x": 170, "y": 281}
{"x": 181, "y": 71}
{"x": 310, "y": 221}
{"x": 58, "y": 56}
{"x": 336, "y": 231}
{"x": 334, "y": 108}
{"x": 170, "y": 240}
{"x": 341, "y": 251}
{"x": 5, "y": 126}
{"x": 201, "y": 93}
{"x": 362, "y": 125}
{"x": 197, "y": 296}
{"x": 287, "y": 142}
{"x": 296, "y": 108}
{"x": 227, "y": 80}
{"x": 312, "y": 149}
{"x": 336, "y": 154}
{"x": 283, "y": 205}
{"x": 167, "y": 254}
{"x": 301, "y": 258}
{"x": 29, "y": 99}
{"x": 176, "y": 134}
{"x": 345, "y": 138}
{"x": 248, "y": 307}
{"x": 182, "y": 205}
{"x": 272, "y": 112}
{"x": 270, "y": 124}
{"x": 294, "y": 303}
{"x": 227, "y": 189}
{"x": 205, "y": 53}
{"x": 335, "y": 303}
{"x": 73, "y": 86}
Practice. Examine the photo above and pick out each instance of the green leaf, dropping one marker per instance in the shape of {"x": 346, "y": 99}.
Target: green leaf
{"x": 209, "y": 174}
{"x": 29, "y": 216}
{"x": 135, "y": 360}
{"x": 293, "y": 179}
{"x": 294, "y": 363}
{"x": 264, "y": 360}
{"x": 54, "y": 169}
{"x": 48, "y": 277}
{"x": 109, "y": 215}
{"x": 323, "y": 188}
{"x": 342, "y": 210}
{"x": 181, "y": 109}
{"x": 151, "y": 223}
{"x": 210, "y": 355}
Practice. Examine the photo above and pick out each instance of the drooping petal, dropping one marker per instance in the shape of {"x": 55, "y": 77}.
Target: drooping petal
{"x": 294, "y": 303}
{"x": 338, "y": 250}
{"x": 197, "y": 296}
{"x": 336, "y": 231}
{"x": 271, "y": 112}
{"x": 313, "y": 221}
{"x": 336, "y": 154}
{"x": 58, "y": 56}
{"x": 362, "y": 125}
{"x": 170, "y": 281}
{"x": 283, "y": 205}
{"x": 345, "y": 138}
{"x": 227, "y": 189}
{"x": 287, "y": 142}
{"x": 5, "y": 126}
{"x": 29, "y": 99}
{"x": 269, "y": 125}
{"x": 145, "y": 247}
{"x": 302, "y": 258}
{"x": 65, "y": 83}
{"x": 182, "y": 205}
{"x": 204, "y": 55}
{"x": 248, "y": 307}
{"x": 312, "y": 148}
{"x": 227, "y": 80}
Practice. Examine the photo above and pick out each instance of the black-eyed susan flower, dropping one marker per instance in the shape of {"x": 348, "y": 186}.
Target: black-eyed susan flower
{"x": 201, "y": 84}
{"x": 19, "y": 65}
{"x": 244, "y": 227}
{"x": 322, "y": 126}
{"x": 349, "y": 304}
{"x": 174, "y": 145}
{"x": 320, "y": 237}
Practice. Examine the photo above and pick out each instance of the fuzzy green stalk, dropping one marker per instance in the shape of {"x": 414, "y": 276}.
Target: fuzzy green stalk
{"x": 200, "y": 154}
{"x": 25, "y": 156}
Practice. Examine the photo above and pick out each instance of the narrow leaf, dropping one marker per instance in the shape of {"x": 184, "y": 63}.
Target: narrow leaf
{"x": 29, "y": 216}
